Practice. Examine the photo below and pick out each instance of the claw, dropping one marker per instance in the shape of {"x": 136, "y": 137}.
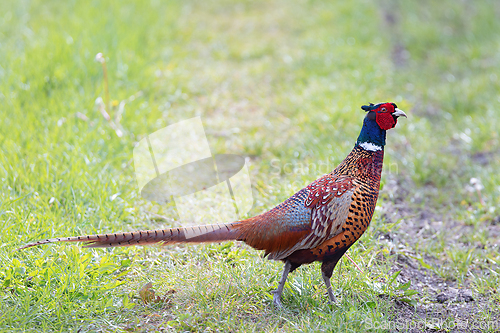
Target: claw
{"x": 278, "y": 305}
{"x": 331, "y": 298}
{"x": 277, "y": 299}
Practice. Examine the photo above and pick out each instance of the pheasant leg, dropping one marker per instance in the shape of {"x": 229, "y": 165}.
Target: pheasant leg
{"x": 331, "y": 296}
{"x": 327, "y": 268}
{"x": 279, "y": 291}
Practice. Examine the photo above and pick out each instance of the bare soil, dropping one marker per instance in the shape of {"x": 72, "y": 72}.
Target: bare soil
{"x": 443, "y": 304}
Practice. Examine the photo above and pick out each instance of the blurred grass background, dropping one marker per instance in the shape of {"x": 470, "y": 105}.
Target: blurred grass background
{"x": 280, "y": 82}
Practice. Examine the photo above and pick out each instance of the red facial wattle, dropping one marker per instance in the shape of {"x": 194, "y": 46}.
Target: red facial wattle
{"x": 385, "y": 120}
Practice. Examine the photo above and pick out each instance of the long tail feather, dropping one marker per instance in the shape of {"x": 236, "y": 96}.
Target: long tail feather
{"x": 197, "y": 234}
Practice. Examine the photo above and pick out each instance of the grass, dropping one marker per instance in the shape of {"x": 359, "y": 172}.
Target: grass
{"x": 276, "y": 81}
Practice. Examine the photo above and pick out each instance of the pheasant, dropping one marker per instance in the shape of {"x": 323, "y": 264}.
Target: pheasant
{"x": 318, "y": 223}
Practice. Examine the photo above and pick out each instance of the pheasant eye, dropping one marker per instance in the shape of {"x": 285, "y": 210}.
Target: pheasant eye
{"x": 384, "y": 109}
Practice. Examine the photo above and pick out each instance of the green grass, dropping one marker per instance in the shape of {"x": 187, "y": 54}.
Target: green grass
{"x": 278, "y": 81}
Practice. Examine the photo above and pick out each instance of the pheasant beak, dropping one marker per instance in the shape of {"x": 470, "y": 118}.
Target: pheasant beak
{"x": 399, "y": 113}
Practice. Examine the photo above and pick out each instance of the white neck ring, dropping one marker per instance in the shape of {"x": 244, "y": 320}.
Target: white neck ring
{"x": 370, "y": 146}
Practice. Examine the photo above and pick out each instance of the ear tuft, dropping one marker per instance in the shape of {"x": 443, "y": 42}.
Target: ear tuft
{"x": 367, "y": 107}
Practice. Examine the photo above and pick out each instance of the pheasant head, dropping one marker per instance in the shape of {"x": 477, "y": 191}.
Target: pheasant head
{"x": 380, "y": 118}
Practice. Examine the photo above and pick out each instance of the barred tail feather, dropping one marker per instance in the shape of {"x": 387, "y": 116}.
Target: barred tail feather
{"x": 196, "y": 234}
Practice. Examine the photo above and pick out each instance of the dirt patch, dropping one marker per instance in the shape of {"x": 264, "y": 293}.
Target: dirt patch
{"x": 442, "y": 304}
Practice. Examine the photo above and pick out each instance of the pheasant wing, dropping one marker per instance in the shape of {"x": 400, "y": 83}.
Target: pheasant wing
{"x": 327, "y": 200}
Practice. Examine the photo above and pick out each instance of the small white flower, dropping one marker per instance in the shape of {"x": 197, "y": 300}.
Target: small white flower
{"x": 99, "y": 58}
{"x": 476, "y": 184}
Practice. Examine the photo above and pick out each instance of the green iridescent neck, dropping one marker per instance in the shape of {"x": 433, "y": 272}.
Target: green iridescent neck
{"x": 372, "y": 137}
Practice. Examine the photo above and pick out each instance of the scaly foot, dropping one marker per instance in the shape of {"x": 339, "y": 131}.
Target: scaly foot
{"x": 277, "y": 299}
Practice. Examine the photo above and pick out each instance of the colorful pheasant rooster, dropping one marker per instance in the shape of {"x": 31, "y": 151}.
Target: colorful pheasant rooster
{"x": 318, "y": 223}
